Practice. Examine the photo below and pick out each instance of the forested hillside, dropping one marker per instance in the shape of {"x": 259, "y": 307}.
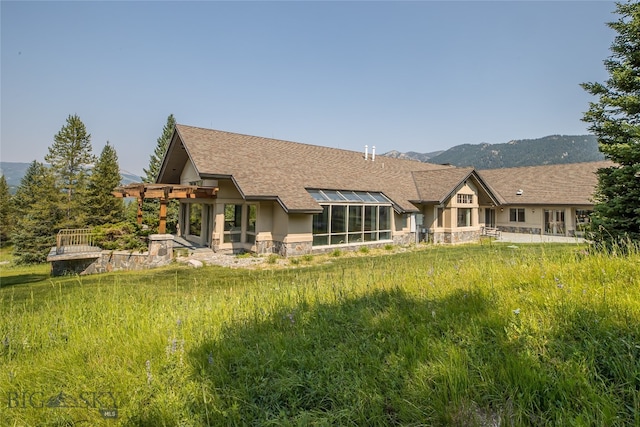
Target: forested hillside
{"x": 554, "y": 149}
{"x": 14, "y": 171}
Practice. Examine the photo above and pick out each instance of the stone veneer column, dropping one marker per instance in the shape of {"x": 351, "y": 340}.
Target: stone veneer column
{"x": 160, "y": 249}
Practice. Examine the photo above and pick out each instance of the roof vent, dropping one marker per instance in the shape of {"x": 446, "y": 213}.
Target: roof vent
{"x": 373, "y": 153}
{"x": 519, "y": 192}
{"x": 366, "y": 152}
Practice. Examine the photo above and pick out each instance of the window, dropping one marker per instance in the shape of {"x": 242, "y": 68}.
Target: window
{"x": 465, "y": 199}
{"x": 252, "y": 214}
{"x": 464, "y": 217}
{"x": 440, "y": 217}
{"x": 232, "y": 223}
{"x": 350, "y": 217}
{"x": 516, "y": 214}
{"x": 195, "y": 219}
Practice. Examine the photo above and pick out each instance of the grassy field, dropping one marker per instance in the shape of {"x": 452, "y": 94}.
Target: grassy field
{"x": 473, "y": 335}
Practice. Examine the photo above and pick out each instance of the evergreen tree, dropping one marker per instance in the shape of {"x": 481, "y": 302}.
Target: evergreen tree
{"x": 155, "y": 160}
{"x": 69, "y": 157}
{"x": 102, "y": 206}
{"x": 615, "y": 120}
{"x": 6, "y": 215}
{"x": 151, "y": 208}
{"x": 36, "y": 206}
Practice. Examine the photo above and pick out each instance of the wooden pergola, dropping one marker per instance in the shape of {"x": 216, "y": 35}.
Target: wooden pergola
{"x": 164, "y": 193}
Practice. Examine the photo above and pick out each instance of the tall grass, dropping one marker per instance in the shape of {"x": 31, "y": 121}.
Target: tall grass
{"x": 476, "y": 335}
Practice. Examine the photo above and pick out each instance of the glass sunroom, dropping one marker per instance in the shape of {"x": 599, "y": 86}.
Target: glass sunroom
{"x": 351, "y": 217}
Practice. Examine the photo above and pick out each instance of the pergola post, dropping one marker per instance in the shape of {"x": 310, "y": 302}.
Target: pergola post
{"x": 140, "y": 210}
{"x": 162, "y": 227}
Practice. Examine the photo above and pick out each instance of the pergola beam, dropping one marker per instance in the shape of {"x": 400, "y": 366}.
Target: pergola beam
{"x": 164, "y": 193}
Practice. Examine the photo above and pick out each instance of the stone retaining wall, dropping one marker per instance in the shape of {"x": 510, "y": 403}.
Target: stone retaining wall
{"x": 160, "y": 253}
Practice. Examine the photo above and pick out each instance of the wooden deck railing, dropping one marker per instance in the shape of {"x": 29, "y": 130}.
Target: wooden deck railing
{"x": 75, "y": 240}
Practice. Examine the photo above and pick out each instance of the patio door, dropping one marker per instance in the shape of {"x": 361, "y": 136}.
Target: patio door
{"x": 554, "y": 222}
{"x": 489, "y": 217}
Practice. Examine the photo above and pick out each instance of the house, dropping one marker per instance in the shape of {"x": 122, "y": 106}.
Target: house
{"x": 263, "y": 195}
{"x": 550, "y": 199}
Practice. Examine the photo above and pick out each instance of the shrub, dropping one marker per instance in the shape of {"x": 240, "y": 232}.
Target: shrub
{"x": 121, "y": 236}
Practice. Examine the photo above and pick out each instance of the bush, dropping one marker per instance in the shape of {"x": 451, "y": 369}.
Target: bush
{"x": 121, "y": 236}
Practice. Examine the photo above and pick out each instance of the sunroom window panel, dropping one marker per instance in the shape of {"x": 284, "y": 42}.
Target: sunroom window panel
{"x": 385, "y": 218}
{"x": 370, "y": 237}
{"x": 355, "y": 237}
{"x": 318, "y": 196}
{"x": 366, "y": 197}
{"x": 338, "y": 239}
{"x": 338, "y": 219}
{"x": 320, "y": 240}
{"x": 370, "y": 218}
{"x": 380, "y": 198}
{"x": 334, "y": 196}
{"x": 355, "y": 218}
{"x": 351, "y": 196}
{"x": 321, "y": 221}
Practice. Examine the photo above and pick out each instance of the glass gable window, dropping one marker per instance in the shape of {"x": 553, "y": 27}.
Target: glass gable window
{"x": 350, "y": 217}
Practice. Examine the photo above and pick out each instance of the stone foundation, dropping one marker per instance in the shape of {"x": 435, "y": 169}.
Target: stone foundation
{"x": 404, "y": 239}
{"x": 264, "y": 247}
{"x": 454, "y": 237}
{"x": 292, "y": 249}
{"x": 521, "y": 230}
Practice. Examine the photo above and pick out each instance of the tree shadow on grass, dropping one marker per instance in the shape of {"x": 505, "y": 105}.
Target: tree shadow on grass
{"x": 339, "y": 364}
{"x": 7, "y": 280}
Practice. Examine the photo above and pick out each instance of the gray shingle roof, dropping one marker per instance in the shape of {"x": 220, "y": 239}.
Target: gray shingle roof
{"x": 566, "y": 184}
{"x": 283, "y": 170}
{"x": 265, "y": 168}
{"x": 435, "y": 186}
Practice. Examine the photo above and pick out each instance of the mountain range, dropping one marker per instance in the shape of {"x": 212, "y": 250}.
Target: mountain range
{"x": 553, "y": 149}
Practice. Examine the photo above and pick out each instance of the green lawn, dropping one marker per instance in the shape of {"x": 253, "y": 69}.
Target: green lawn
{"x": 471, "y": 335}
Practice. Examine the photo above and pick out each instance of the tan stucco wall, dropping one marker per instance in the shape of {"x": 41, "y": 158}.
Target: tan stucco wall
{"x": 534, "y": 217}
{"x": 188, "y": 174}
{"x": 265, "y": 217}
{"x": 228, "y": 192}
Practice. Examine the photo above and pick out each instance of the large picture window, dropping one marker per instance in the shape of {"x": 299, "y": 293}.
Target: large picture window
{"x": 350, "y": 217}
{"x": 232, "y": 223}
{"x": 252, "y": 215}
{"x": 464, "y": 217}
{"x": 195, "y": 219}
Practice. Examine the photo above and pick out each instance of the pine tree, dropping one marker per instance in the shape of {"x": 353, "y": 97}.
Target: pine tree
{"x": 151, "y": 208}
{"x": 36, "y": 206}
{"x": 615, "y": 120}
{"x": 155, "y": 160}
{"x": 69, "y": 156}
{"x": 6, "y": 214}
{"x": 102, "y": 206}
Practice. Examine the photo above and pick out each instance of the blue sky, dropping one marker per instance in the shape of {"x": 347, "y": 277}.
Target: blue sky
{"x": 410, "y": 76}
